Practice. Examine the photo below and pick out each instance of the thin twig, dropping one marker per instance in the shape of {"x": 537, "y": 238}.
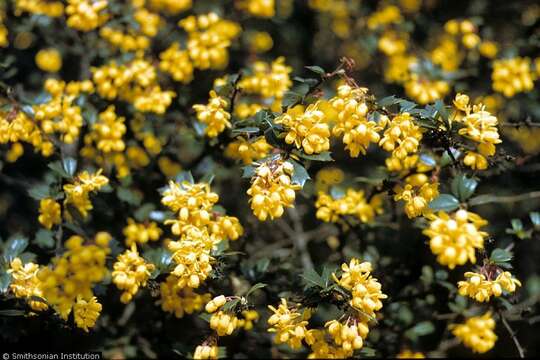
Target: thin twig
{"x": 481, "y": 200}
{"x": 300, "y": 239}
{"x": 519, "y": 348}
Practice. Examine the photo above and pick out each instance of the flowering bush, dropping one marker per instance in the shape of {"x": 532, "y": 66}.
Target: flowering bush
{"x": 270, "y": 178}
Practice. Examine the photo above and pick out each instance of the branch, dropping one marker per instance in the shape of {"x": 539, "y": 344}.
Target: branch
{"x": 519, "y": 348}
{"x": 488, "y": 199}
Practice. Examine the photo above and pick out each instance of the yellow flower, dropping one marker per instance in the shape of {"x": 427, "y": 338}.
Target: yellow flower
{"x": 214, "y": 115}
{"x": 176, "y": 62}
{"x": 86, "y": 15}
{"x": 401, "y": 137}
{"x": 78, "y": 193}
{"x": 271, "y": 190}
{"x": 454, "y": 239}
{"x": 141, "y": 233}
{"x": 477, "y": 333}
{"x": 512, "y": 76}
{"x": 25, "y": 283}
{"x": 180, "y": 301}
{"x": 248, "y": 151}
{"x": 258, "y": 8}
{"x": 288, "y": 324}
{"x": 224, "y": 323}
{"x": 74, "y": 273}
{"x": 206, "y": 352}
{"x": 49, "y": 60}
{"x": 409, "y": 354}
{"x": 352, "y": 120}
{"x": 365, "y": 289}
{"x": 131, "y": 272}
{"x": 350, "y": 335}
{"x": 86, "y": 312}
{"x": 488, "y": 49}
{"x": 307, "y": 129}
{"x": 49, "y": 213}
{"x": 260, "y": 41}
{"x": 268, "y": 80}
{"x": 481, "y": 287}
{"x": 351, "y": 203}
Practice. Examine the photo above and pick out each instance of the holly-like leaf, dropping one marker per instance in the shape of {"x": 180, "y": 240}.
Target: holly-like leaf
{"x": 444, "y": 202}
{"x": 463, "y": 187}
{"x": 300, "y": 175}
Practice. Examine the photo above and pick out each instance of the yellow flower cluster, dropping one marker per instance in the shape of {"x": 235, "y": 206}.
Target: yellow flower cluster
{"x": 125, "y": 41}
{"x": 200, "y": 229}
{"x": 86, "y": 313}
{"x": 260, "y": 41}
{"x": 386, "y": 16}
{"x": 268, "y": 80}
{"x": 206, "y": 351}
{"x": 327, "y": 177}
{"x": 513, "y": 76}
{"x": 180, "y": 301}
{"x": 214, "y": 115}
{"x": 289, "y": 324}
{"x": 349, "y": 335}
{"x": 417, "y": 193}
{"x": 19, "y": 127}
{"x": 409, "y": 354}
{"x": 49, "y": 60}
{"x": 108, "y": 131}
{"x": 78, "y": 193}
{"x": 86, "y": 15}
{"x": 425, "y": 90}
{"x": 479, "y": 126}
{"x": 175, "y": 62}
{"x": 306, "y": 129}
{"x": 248, "y": 151}
{"x": 224, "y": 323}
{"x": 209, "y": 38}
{"x": 249, "y": 317}
{"x": 134, "y": 82}
{"x": 454, "y": 239}
{"x": 39, "y": 7}
{"x": 74, "y": 274}
{"x": 480, "y": 287}
{"x": 271, "y": 189}
{"x": 365, "y": 289}
{"x": 50, "y": 213}
{"x": 130, "y": 273}
{"x": 321, "y": 348}
{"x": 170, "y": 6}
{"x": 464, "y": 29}
{"x": 351, "y": 203}
{"x": 3, "y": 31}
{"x": 258, "y": 8}
{"x": 60, "y": 114}
{"x": 137, "y": 233}
{"x": 352, "y": 121}
{"x": 477, "y": 333}
{"x": 26, "y": 284}
{"x": 402, "y": 136}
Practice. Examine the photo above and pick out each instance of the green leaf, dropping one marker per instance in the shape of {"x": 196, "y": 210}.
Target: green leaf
{"x": 14, "y": 247}
{"x": 421, "y": 329}
{"x": 444, "y": 202}
{"x": 300, "y": 175}
{"x": 255, "y": 287}
{"x": 44, "y": 239}
{"x": 463, "y": 187}
{"x": 446, "y": 159}
{"x": 388, "y": 101}
{"x": 12, "y": 312}
{"x": 246, "y": 130}
{"x": 161, "y": 258}
{"x": 248, "y": 171}
{"x": 406, "y": 106}
{"x": 142, "y": 213}
{"x": 208, "y": 178}
{"x": 58, "y": 168}
{"x": 499, "y": 256}
{"x": 230, "y": 306}
{"x": 291, "y": 98}
{"x": 130, "y": 196}
{"x": 69, "y": 165}
{"x": 185, "y": 176}
{"x": 40, "y": 191}
{"x": 5, "y": 280}
{"x": 316, "y": 69}
{"x": 441, "y": 109}
{"x": 535, "y": 219}
{"x": 312, "y": 278}
{"x": 324, "y": 156}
